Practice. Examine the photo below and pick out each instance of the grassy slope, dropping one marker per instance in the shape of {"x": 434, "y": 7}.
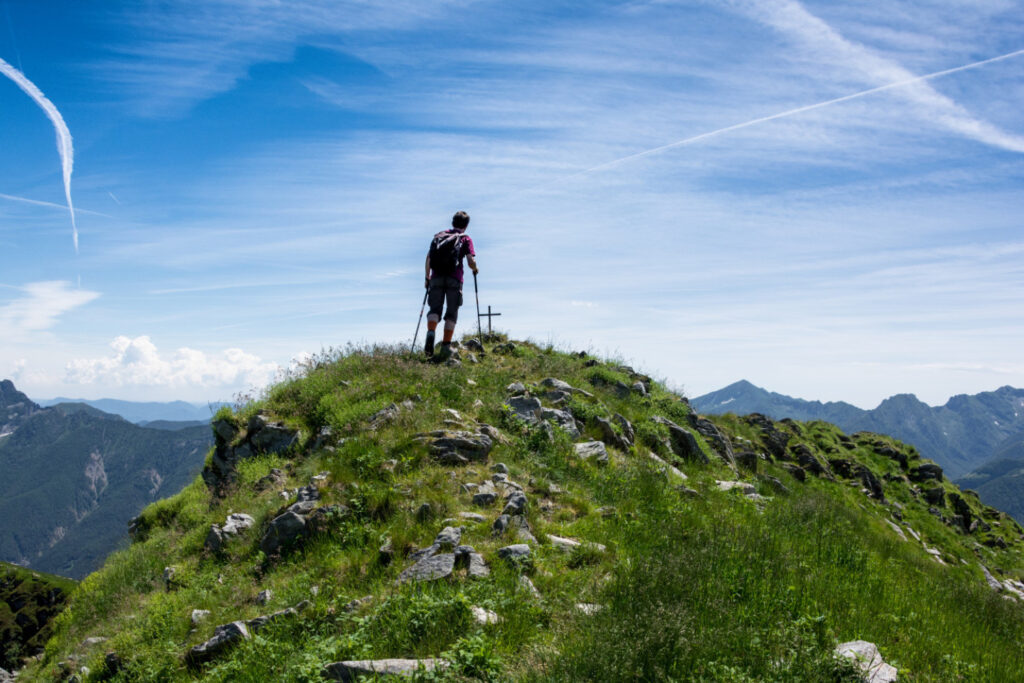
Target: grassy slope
{"x": 28, "y": 602}
{"x": 712, "y": 587}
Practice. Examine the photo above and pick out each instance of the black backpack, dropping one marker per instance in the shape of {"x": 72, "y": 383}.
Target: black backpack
{"x": 446, "y": 252}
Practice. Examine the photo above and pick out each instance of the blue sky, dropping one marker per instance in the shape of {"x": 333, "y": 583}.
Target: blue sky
{"x": 256, "y": 180}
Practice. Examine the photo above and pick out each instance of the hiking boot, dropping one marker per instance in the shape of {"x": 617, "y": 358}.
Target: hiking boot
{"x": 446, "y": 351}
{"x": 428, "y": 348}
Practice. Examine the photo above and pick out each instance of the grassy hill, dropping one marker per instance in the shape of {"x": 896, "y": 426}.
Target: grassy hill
{"x": 28, "y": 602}
{"x": 746, "y": 553}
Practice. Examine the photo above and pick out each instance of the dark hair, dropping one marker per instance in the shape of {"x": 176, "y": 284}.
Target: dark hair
{"x": 460, "y": 220}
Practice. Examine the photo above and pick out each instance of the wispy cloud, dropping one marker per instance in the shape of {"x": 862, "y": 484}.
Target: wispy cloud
{"x": 793, "y": 20}
{"x": 40, "y": 307}
{"x": 64, "y": 145}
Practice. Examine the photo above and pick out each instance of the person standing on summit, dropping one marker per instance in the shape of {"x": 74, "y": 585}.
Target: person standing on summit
{"x": 444, "y": 277}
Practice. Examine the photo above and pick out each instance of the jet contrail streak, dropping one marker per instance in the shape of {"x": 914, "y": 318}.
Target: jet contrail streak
{"x": 64, "y": 147}
{"x": 791, "y": 112}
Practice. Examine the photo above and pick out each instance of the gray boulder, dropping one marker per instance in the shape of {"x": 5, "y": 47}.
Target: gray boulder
{"x": 683, "y": 443}
{"x": 525, "y": 407}
{"x": 520, "y": 552}
{"x": 515, "y": 504}
{"x": 224, "y": 430}
{"x": 271, "y": 437}
{"x": 234, "y": 525}
{"x": 375, "y": 668}
{"x": 462, "y": 446}
{"x": 592, "y": 450}
{"x": 284, "y": 530}
{"x": 563, "y": 419}
{"x": 429, "y": 569}
{"x": 925, "y": 472}
{"x": 612, "y": 437}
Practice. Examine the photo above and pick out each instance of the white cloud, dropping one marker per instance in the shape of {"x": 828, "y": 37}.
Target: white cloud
{"x": 138, "y": 362}
{"x": 40, "y": 307}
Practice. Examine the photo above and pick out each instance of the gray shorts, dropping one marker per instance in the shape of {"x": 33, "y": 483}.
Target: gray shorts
{"x": 447, "y": 292}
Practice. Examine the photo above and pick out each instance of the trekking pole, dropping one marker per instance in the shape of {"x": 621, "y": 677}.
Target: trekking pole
{"x": 476, "y": 290}
{"x": 420, "y": 320}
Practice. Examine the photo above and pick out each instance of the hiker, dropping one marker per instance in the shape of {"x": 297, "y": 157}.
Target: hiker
{"x": 444, "y": 279}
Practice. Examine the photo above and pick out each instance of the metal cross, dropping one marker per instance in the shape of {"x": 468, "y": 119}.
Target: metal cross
{"x": 489, "y": 316}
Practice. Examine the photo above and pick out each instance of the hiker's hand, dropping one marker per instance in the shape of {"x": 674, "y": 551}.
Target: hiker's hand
{"x": 426, "y": 283}
{"x": 475, "y": 271}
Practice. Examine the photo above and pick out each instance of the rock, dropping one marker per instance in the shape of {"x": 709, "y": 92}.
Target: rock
{"x": 570, "y": 544}
{"x": 284, "y": 530}
{"x": 527, "y": 585}
{"x": 384, "y": 415}
{"x": 469, "y": 446}
{"x": 774, "y": 439}
{"x": 628, "y": 433}
{"x": 747, "y": 460}
{"x": 93, "y": 641}
{"x": 718, "y": 441}
{"x": 214, "y": 539}
{"x": 224, "y": 636}
{"x": 935, "y": 496}
{"x": 450, "y": 536}
{"x": 798, "y": 472}
{"x": 273, "y": 480}
{"x": 306, "y": 494}
{"x": 639, "y": 388}
{"x": 842, "y": 467}
{"x": 741, "y": 486}
{"x": 374, "y": 668}
{"x": 563, "y": 419}
{"x": 525, "y": 407}
{"x": 112, "y": 662}
{"x": 867, "y": 658}
{"x": 592, "y": 450}
{"x": 169, "y": 573}
{"x": 265, "y": 596}
{"x": 472, "y": 517}
{"x": 507, "y": 347}
{"x": 424, "y": 512}
{"x": 484, "y": 616}
{"x": 870, "y": 482}
{"x": 385, "y": 553}
{"x": 515, "y": 389}
{"x": 963, "y": 509}
{"x": 323, "y": 438}
{"x": 484, "y": 498}
{"x": 429, "y": 569}
{"x": 225, "y": 430}
{"x": 358, "y": 603}
{"x": 891, "y": 453}
{"x": 612, "y": 437}
{"x": 199, "y": 616}
{"x": 477, "y": 567}
{"x": 474, "y": 345}
{"x": 303, "y": 507}
{"x": 271, "y": 437}
{"x": 665, "y": 467}
{"x": 515, "y": 554}
{"x": 259, "y": 623}
{"x": 925, "y": 472}
{"x": 897, "y": 529}
{"x": 588, "y": 608}
{"x": 501, "y": 524}
{"x": 991, "y": 580}
{"x": 515, "y": 504}
{"x": 682, "y": 442}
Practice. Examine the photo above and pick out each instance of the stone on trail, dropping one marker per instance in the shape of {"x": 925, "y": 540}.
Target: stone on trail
{"x": 375, "y": 668}
{"x": 592, "y": 449}
{"x": 429, "y": 569}
{"x": 867, "y": 658}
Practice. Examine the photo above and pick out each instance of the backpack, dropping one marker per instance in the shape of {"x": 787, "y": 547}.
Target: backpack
{"x": 446, "y": 252}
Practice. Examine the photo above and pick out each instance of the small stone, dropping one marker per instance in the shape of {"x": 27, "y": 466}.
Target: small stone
{"x": 527, "y": 585}
{"x": 867, "y": 658}
{"x": 224, "y": 637}
{"x": 515, "y": 504}
{"x": 484, "y": 498}
{"x": 358, "y": 603}
{"x": 264, "y": 596}
{"x": 515, "y": 388}
{"x": 499, "y": 468}
{"x": 199, "y": 616}
{"x": 589, "y": 608}
{"x": 472, "y": 517}
{"x": 741, "y": 486}
{"x": 450, "y": 536}
{"x": 484, "y": 616}
{"x": 515, "y": 553}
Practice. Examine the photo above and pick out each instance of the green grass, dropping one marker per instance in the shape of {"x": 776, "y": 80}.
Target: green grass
{"x": 708, "y": 588}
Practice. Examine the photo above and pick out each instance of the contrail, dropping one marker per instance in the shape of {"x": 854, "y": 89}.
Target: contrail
{"x": 791, "y": 112}
{"x": 64, "y": 147}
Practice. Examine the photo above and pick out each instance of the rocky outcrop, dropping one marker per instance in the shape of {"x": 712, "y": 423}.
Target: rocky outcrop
{"x": 682, "y": 442}
{"x": 219, "y": 535}
{"x": 262, "y": 436}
